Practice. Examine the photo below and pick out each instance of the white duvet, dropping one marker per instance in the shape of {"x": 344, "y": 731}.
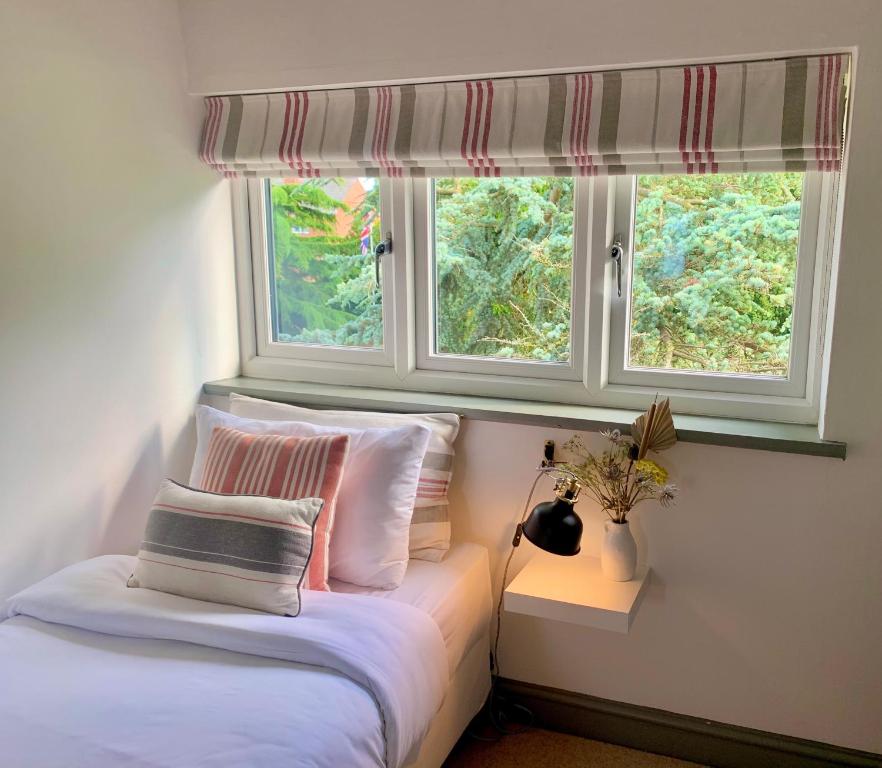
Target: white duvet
{"x": 96, "y": 674}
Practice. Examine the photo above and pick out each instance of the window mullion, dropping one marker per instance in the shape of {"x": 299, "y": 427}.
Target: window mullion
{"x": 261, "y": 254}
{"x": 424, "y": 320}
{"x": 604, "y": 209}
{"x": 398, "y": 269}
{"x": 584, "y": 248}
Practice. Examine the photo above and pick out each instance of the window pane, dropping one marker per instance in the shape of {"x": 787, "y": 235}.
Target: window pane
{"x": 713, "y": 272}
{"x": 322, "y": 281}
{"x": 503, "y": 267}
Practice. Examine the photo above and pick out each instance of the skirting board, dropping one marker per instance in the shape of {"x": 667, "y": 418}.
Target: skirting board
{"x": 689, "y": 738}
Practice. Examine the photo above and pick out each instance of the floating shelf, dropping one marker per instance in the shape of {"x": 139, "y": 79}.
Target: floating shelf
{"x": 573, "y": 589}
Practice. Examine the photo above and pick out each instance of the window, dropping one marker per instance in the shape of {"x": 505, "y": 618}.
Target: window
{"x": 319, "y": 294}
{"x": 505, "y": 286}
{"x": 323, "y": 288}
{"x": 502, "y": 267}
{"x": 713, "y": 273}
{"x": 718, "y": 282}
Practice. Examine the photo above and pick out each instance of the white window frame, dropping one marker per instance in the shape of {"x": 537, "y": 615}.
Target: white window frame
{"x": 595, "y": 374}
{"x": 793, "y": 385}
{"x": 260, "y": 235}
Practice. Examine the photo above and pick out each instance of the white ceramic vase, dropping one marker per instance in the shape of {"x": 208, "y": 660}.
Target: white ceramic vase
{"x": 618, "y": 553}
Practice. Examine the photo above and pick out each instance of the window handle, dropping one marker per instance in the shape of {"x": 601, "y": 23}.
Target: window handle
{"x": 616, "y": 252}
{"x": 382, "y": 249}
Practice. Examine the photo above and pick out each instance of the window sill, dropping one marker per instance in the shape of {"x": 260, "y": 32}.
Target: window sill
{"x": 706, "y": 430}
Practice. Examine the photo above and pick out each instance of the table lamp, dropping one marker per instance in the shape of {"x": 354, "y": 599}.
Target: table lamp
{"x": 553, "y": 525}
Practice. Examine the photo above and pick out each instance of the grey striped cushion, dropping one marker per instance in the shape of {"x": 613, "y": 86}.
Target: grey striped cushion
{"x": 250, "y": 551}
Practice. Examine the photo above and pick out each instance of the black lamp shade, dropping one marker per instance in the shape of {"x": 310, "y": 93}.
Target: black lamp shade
{"x": 555, "y": 527}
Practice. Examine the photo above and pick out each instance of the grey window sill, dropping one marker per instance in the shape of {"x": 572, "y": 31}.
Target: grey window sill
{"x": 707, "y": 430}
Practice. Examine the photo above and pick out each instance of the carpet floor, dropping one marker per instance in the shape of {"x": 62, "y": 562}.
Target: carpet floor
{"x": 540, "y": 749}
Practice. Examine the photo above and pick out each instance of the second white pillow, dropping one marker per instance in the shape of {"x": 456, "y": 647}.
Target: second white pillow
{"x": 370, "y": 537}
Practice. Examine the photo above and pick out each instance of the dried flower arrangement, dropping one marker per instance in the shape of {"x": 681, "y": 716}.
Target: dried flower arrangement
{"x": 622, "y": 476}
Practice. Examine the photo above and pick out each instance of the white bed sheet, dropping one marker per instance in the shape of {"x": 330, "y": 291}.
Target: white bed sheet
{"x": 455, "y": 592}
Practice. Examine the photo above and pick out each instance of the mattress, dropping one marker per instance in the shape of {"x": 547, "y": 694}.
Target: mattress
{"x": 455, "y": 593}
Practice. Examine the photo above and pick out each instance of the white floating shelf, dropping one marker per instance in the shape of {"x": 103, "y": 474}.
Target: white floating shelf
{"x": 573, "y": 589}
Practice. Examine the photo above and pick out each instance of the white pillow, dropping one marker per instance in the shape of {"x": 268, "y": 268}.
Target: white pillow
{"x": 430, "y": 527}
{"x": 369, "y": 540}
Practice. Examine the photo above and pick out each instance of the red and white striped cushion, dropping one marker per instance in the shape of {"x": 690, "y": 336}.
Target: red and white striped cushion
{"x": 430, "y": 524}
{"x": 284, "y": 468}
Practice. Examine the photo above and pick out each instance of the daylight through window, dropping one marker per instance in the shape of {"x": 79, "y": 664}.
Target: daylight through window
{"x": 505, "y": 286}
{"x": 714, "y": 272}
{"x": 503, "y": 262}
{"x": 322, "y": 280}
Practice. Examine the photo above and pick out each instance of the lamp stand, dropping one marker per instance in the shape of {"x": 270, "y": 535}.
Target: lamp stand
{"x": 500, "y": 711}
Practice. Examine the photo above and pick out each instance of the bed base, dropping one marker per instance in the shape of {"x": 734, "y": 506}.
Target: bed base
{"x": 467, "y": 693}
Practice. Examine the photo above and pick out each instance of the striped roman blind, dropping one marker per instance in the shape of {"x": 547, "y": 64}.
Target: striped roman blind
{"x": 782, "y": 114}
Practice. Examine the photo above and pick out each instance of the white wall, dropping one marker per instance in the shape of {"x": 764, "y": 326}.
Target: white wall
{"x": 766, "y": 605}
{"x": 116, "y": 279}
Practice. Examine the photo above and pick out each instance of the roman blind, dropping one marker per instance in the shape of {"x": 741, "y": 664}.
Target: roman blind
{"x": 782, "y": 114}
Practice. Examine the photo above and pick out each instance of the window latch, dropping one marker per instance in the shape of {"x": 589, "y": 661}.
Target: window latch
{"x": 616, "y": 252}
{"x": 382, "y": 249}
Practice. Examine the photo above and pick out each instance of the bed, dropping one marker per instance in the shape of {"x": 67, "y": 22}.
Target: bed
{"x": 98, "y": 675}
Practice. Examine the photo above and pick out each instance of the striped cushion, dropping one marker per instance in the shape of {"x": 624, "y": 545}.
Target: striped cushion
{"x": 250, "y": 551}
{"x": 430, "y": 525}
{"x": 285, "y": 468}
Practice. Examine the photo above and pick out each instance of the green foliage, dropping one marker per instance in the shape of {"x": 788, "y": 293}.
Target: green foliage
{"x": 324, "y": 286}
{"x": 714, "y": 272}
{"x": 503, "y": 260}
{"x": 712, "y": 284}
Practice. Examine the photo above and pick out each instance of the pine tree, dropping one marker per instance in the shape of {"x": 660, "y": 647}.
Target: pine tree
{"x": 714, "y": 271}
{"x": 714, "y": 268}
{"x": 503, "y": 256}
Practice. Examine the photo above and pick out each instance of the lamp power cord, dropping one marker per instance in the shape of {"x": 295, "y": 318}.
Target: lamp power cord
{"x": 502, "y": 713}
